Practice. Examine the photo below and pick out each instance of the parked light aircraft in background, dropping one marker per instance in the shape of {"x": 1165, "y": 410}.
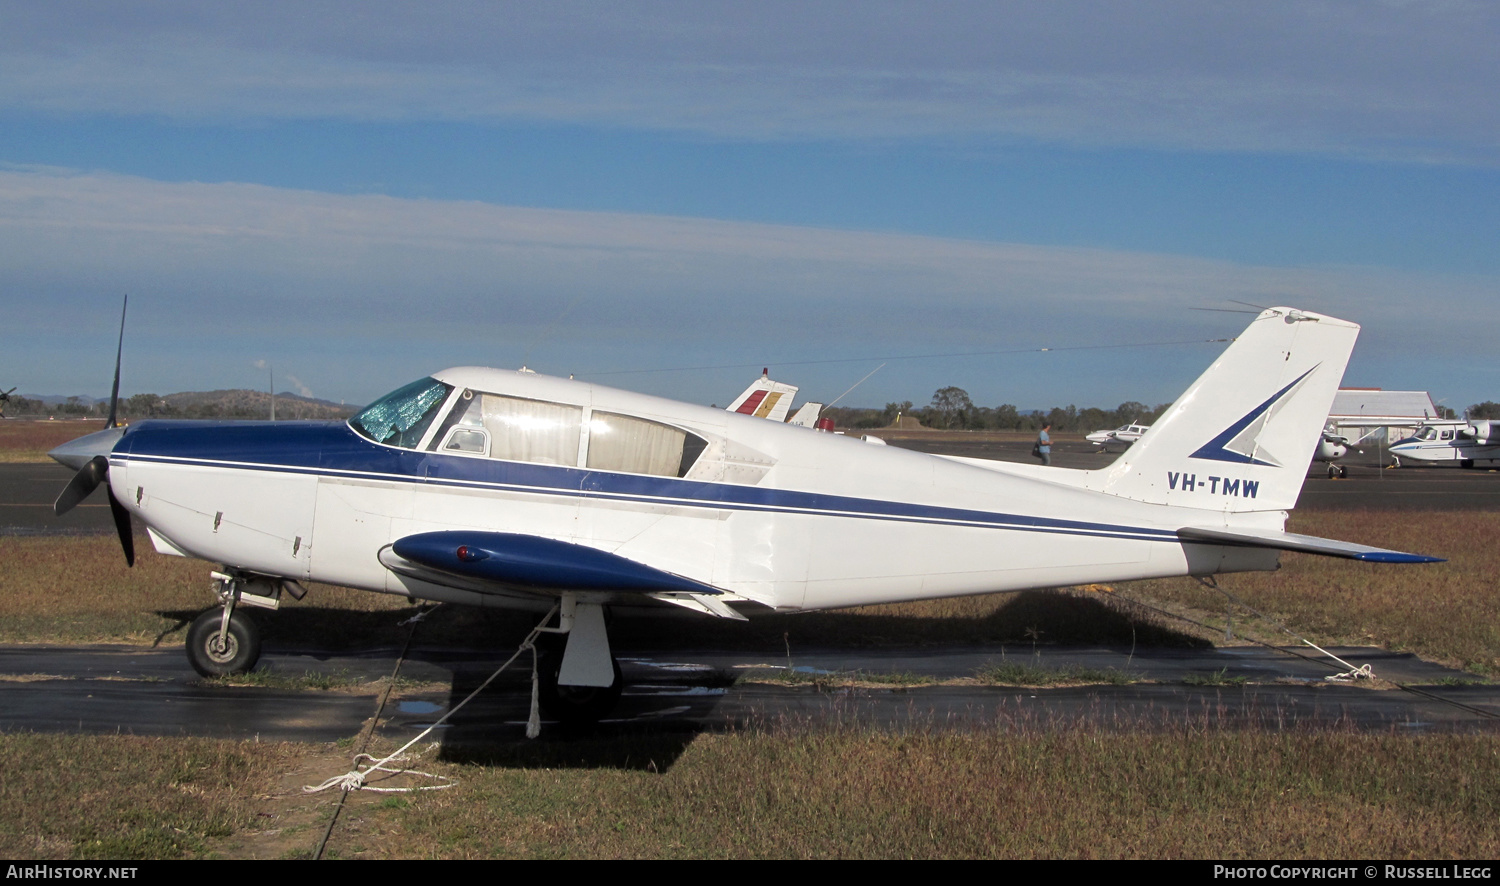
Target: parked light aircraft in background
{"x": 503, "y": 488}
{"x": 1364, "y": 415}
{"x": 1463, "y": 442}
{"x": 1119, "y": 438}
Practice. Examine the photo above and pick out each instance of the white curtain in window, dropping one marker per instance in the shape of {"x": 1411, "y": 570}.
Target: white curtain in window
{"x": 621, "y": 443}
{"x": 532, "y": 430}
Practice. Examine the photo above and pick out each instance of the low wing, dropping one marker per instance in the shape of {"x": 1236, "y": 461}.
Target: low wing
{"x": 504, "y": 561}
{"x": 1307, "y": 544}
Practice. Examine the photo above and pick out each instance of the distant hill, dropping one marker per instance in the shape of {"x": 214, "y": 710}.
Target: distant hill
{"x": 257, "y": 404}
{"x": 238, "y": 403}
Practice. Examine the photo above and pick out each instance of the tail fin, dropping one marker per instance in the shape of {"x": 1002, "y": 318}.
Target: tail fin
{"x": 765, "y": 399}
{"x": 1243, "y": 435}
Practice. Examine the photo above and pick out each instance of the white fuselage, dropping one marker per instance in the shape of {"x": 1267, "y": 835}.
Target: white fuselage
{"x": 1453, "y": 441}
{"x": 781, "y": 515}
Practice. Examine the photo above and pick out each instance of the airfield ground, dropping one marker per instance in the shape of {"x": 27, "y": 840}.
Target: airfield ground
{"x": 810, "y": 767}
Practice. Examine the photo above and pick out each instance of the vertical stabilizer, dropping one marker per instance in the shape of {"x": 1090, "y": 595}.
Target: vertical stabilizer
{"x": 1243, "y": 435}
{"x": 765, "y": 399}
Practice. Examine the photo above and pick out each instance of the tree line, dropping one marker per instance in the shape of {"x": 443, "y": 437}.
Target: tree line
{"x": 236, "y": 404}
{"x": 952, "y": 409}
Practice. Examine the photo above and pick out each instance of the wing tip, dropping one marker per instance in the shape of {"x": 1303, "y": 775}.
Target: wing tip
{"x": 1397, "y": 557}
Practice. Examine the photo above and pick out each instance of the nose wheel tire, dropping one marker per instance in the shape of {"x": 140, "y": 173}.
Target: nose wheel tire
{"x": 236, "y": 652}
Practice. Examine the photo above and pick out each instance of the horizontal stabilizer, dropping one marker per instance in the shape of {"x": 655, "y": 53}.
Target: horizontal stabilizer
{"x": 1307, "y": 544}
{"x": 528, "y": 561}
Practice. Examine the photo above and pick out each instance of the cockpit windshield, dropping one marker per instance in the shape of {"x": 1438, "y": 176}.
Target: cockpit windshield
{"x": 401, "y": 417}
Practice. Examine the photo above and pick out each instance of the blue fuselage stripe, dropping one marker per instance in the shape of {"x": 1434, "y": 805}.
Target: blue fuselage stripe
{"x": 334, "y": 450}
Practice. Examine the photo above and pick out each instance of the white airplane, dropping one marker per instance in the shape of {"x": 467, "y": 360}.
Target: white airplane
{"x": 1363, "y": 414}
{"x": 490, "y": 487}
{"x": 1120, "y": 437}
{"x": 1464, "y": 442}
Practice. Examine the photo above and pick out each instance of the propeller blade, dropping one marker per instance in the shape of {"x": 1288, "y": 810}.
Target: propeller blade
{"x": 122, "y": 527}
{"x": 83, "y": 483}
{"x": 114, "y": 394}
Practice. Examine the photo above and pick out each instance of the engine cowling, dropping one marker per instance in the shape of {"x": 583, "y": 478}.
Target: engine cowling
{"x": 1482, "y": 431}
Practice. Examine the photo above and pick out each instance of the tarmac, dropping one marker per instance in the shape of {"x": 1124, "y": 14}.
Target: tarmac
{"x": 126, "y": 689}
{"x": 137, "y": 691}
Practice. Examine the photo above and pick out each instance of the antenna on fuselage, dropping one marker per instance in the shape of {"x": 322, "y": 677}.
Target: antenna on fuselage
{"x": 855, "y": 385}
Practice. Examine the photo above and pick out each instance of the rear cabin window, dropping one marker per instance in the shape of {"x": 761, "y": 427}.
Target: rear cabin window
{"x": 512, "y": 429}
{"x": 637, "y": 446}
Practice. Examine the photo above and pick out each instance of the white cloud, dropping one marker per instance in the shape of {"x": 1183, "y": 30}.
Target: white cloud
{"x": 1403, "y": 80}
{"x": 363, "y": 292}
{"x": 302, "y": 389}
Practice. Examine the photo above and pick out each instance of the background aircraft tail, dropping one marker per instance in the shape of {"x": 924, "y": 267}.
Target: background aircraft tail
{"x": 765, "y": 399}
{"x": 1243, "y": 435}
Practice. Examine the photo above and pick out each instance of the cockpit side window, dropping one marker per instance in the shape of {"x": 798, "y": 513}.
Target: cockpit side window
{"x": 638, "y": 446}
{"x": 512, "y": 429}
{"x": 1427, "y": 434}
{"x": 401, "y": 417}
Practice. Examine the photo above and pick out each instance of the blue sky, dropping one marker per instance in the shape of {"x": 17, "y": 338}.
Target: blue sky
{"x": 360, "y": 193}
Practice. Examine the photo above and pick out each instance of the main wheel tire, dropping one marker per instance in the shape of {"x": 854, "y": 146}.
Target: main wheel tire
{"x": 237, "y": 654}
{"x": 574, "y": 705}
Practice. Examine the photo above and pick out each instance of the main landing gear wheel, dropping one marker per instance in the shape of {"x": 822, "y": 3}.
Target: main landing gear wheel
{"x": 574, "y": 705}
{"x": 236, "y": 652}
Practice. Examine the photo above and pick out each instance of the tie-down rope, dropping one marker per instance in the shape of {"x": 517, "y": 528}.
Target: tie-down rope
{"x": 354, "y": 779}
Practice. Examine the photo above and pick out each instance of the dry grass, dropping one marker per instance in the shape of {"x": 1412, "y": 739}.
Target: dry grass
{"x": 1192, "y": 791}
{"x": 1198, "y": 792}
{"x": 1446, "y": 612}
{"x": 30, "y": 441}
{"x": 78, "y": 590}
{"x": 124, "y": 797}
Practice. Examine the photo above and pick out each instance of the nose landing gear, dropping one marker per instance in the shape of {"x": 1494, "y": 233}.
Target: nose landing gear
{"x": 224, "y": 641}
{"x": 221, "y": 643}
